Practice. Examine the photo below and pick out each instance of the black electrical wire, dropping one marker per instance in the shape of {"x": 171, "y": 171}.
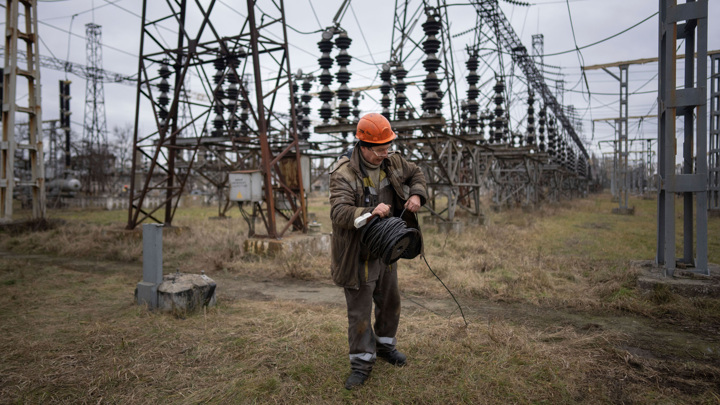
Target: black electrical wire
{"x": 604, "y": 39}
{"x": 448, "y": 290}
{"x": 390, "y": 239}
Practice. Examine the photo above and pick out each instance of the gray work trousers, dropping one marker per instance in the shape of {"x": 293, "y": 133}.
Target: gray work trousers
{"x": 365, "y": 342}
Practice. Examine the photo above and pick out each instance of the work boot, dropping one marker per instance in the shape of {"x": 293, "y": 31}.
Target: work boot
{"x": 394, "y": 357}
{"x": 356, "y": 379}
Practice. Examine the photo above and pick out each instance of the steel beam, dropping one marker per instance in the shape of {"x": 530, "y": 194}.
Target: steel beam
{"x": 714, "y": 146}
{"x": 688, "y": 21}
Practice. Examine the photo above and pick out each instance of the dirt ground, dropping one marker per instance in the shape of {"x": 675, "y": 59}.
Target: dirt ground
{"x": 664, "y": 346}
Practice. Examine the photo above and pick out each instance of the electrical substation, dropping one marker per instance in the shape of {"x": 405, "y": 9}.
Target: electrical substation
{"x": 477, "y": 110}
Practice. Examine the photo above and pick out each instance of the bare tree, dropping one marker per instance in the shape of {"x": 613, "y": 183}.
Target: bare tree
{"x": 121, "y": 147}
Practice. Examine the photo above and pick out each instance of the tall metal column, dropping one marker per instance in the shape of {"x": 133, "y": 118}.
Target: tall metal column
{"x": 714, "y": 147}
{"x": 622, "y": 146}
{"x": 616, "y": 163}
{"x": 9, "y": 144}
{"x": 623, "y": 141}
{"x": 686, "y": 21}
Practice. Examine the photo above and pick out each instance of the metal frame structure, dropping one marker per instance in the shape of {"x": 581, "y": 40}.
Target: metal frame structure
{"x": 9, "y": 144}
{"x": 249, "y": 133}
{"x": 460, "y": 161}
{"x": 95, "y": 146}
{"x": 714, "y": 146}
{"x": 621, "y": 169}
{"x": 490, "y": 12}
{"x": 688, "y": 21}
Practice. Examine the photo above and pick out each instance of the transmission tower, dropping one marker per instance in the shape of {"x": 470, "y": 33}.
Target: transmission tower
{"x": 95, "y": 153}
{"x": 238, "y": 127}
{"x": 11, "y": 175}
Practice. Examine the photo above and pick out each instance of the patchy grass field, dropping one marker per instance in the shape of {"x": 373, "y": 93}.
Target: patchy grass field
{"x": 551, "y": 299}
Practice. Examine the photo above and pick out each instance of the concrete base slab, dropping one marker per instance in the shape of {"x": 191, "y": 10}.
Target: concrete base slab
{"x": 453, "y": 227}
{"x": 624, "y": 211}
{"x": 314, "y": 228}
{"x": 184, "y": 293}
{"x": 270, "y": 247}
{"x": 684, "y": 282}
{"x": 475, "y": 220}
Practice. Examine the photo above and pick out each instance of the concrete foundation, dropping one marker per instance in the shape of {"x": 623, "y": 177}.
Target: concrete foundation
{"x": 624, "y": 211}
{"x": 270, "y": 247}
{"x": 450, "y": 227}
{"x": 314, "y": 228}
{"x": 684, "y": 282}
{"x": 185, "y": 293}
{"x": 475, "y": 220}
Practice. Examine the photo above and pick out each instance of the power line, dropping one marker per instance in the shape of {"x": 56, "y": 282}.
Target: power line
{"x": 362, "y": 34}
{"x": 602, "y": 40}
{"x": 83, "y": 38}
{"x": 315, "y": 14}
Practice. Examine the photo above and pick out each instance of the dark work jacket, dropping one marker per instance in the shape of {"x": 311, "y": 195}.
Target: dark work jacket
{"x": 347, "y": 202}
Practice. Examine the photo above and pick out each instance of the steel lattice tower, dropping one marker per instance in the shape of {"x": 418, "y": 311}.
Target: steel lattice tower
{"x": 237, "y": 125}
{"x": 20, "y": 32}
{"x": 95, "y": 125}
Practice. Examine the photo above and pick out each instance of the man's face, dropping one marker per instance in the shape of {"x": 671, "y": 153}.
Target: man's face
{"x": 376, "y": 154}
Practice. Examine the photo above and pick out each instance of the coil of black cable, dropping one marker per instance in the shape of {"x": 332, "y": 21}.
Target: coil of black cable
{"x": 391, "y": 239}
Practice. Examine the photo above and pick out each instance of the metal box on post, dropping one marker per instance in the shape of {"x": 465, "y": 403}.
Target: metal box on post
{"x": 246, "y": 185}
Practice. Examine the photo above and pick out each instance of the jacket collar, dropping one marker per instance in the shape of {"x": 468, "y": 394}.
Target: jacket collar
{"x": 356, "y": 161}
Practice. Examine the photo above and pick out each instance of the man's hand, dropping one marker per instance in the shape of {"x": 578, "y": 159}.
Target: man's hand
{"x": 382, "y": 210}
{"x": 413, "y": 203}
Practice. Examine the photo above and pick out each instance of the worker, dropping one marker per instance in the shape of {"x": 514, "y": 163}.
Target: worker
{"x": 371, "y": 178}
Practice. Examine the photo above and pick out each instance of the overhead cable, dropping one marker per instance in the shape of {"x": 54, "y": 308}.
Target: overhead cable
{"x": 604, "y": 39}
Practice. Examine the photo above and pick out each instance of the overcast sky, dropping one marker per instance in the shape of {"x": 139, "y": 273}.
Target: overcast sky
{"x": 369, "y": 23}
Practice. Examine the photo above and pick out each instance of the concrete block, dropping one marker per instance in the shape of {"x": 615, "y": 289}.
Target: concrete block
{"x": 475, "y": 220}
{"x": 182, "y": 293}
{"x": 447, "y": 227}
{"x": 685, "y": 283}
{"x": 314, "y": 228}
{"x": 624, "y": 211}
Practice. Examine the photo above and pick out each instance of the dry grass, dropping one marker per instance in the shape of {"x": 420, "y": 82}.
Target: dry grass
{"x": 555, "y": 318}
{"x": 83, "y": 341}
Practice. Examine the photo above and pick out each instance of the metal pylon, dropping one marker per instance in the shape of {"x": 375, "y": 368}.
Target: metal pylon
{"x": 237, "y": 127}
{"x": 714, "y": 146}
{"x": 10, "y": 177}
{"x": 689, "y": 21}
{"x": 95, "y": 126}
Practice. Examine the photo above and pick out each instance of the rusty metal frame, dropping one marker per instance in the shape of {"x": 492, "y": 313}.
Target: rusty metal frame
{"x": 267, "y": 135}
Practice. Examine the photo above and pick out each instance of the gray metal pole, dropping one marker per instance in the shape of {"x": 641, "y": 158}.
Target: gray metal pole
{"x": 152, "y": 265}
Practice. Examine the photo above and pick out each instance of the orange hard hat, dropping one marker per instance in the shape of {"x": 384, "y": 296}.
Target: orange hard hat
{"x": 374, "y": 128}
